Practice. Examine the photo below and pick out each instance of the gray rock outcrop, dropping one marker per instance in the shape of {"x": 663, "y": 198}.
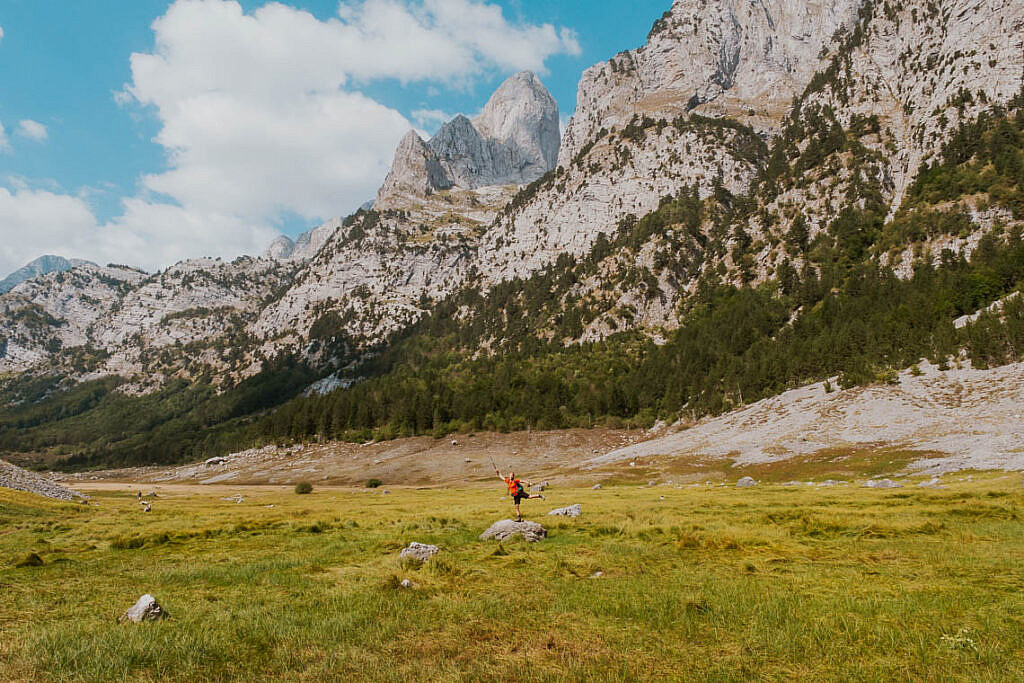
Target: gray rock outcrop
{"x": 746, "y": 481}
{"x": 506, "y": 528}
{"x": 419, "y": 551}
{"x": 513, "y": 141}
{"x": 146, "y": 609}
{"x": 568, "y": 511}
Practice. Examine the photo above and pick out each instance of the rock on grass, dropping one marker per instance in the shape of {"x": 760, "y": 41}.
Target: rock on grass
{"x": 419, "y": 551}
{"x": 146, "y": 609}
{"x": 746, "y": 481}
{"x": 882, "y": 484}
{"x": 569, "y": 511}
{"x": 506, "y": 528}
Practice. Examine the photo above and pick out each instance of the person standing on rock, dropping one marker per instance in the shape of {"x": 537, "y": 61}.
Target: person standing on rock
{"x": 517, "y": 490}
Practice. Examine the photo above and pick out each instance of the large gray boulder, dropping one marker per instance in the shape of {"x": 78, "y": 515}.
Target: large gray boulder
{"x": 146, "y": 609}
{"x": 746, "y": 481}
{"x": 569, "y": 511}
{"x": 507, "y": 528}
{"x": 419, "y": 551}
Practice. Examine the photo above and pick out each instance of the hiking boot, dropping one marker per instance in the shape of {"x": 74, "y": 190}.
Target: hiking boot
{"x": 541, "y": 496}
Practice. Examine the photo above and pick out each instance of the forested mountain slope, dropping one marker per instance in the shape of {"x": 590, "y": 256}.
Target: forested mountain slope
{"x": 774, "y": 215}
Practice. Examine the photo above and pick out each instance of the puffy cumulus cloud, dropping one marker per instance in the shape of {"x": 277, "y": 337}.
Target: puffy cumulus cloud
{"x": 261, "y": 117}
{"x": 36, "y": 222}
{"x": 431, "y": 119}
{"x": 32, "y": 130}
{"x": 159, "y": 234}
{"x": 5, "y": 144}
{"x": 259, "y": 111}
{"x": 148, "y": 234}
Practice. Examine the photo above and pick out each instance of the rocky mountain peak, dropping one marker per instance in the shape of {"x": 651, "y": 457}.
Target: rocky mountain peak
{"x": 523, "y": 115}
{"x": 513, "y": 141}
{"x": 40, "y": 266}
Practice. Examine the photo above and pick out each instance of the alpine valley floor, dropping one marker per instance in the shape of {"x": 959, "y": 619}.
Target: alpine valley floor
{"x": 650, "y": 583}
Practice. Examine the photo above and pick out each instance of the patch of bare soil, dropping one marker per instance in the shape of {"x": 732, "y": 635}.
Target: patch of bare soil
{"x": 418, "y": 461}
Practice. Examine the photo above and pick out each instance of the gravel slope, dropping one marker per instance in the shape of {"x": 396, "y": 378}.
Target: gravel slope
{"x": 14, "y": 477}
{"x": 974, "y": 417}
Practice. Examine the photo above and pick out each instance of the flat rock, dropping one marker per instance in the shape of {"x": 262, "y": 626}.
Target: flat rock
{"x": 146, "y": 609}
{"x": 506, "y": 528}
{"x": 596, "y": 487}
{"x": 882, "y": 484}
{"x": 419, "y": 551}
{"x": 568, "y": 511}
{"x": 746, "y": 481}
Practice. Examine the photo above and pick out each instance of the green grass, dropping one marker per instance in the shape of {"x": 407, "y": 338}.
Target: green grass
{"x": 709, "y": 584}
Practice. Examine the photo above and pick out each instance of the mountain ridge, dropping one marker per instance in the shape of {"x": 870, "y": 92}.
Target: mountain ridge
{"x": 660, "y": 208}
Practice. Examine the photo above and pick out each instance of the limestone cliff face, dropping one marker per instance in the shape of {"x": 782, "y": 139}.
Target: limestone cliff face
{"x": 513, "y": 141}
{"x": 522, "y": 117}
{"x": 741, "y": 58}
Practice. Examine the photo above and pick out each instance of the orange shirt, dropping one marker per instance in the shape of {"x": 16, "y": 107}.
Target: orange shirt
{"x": 513, "y": 485}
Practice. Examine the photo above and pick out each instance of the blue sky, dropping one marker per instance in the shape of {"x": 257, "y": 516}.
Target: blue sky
{"x": 236, "y": 120}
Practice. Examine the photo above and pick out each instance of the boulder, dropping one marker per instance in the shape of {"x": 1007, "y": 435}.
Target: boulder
{"x": 746, "y": 481}
{"x": 569, "y": 511}
{"x": 596, "y": 487}
{"x": 419, "y": 551}
{"x": 507, "y": 528}
{"x": 146, "y": 609}
{"x": 882, "y": 484}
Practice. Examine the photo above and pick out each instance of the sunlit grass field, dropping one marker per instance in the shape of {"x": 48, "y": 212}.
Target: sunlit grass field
{"x": 768, "y": 583}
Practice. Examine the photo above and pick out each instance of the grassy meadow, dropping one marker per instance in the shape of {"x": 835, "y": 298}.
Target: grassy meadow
{"x": 720, "y": 583}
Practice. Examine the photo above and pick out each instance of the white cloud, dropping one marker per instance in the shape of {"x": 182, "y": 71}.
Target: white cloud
{"x": 431, "y": 119}
{"x": 36, "y": 222}
{"x": 151, "y": 235}
{"x": 5, "y": 144}
{"x": 1, "y": 32}
{"x": 32, "y": 130}
{"x": 258, "y": 113}
{"x": 260, "y": 116}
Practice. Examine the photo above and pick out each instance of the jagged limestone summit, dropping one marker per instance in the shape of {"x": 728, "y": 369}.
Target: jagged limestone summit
{"x": 513, "y": 141}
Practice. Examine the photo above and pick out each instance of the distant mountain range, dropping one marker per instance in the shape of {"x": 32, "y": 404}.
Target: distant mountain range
{"x": 41, "y": 266}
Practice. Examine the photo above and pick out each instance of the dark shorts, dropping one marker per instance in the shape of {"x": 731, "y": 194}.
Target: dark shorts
{"x": 520, "y": 496}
